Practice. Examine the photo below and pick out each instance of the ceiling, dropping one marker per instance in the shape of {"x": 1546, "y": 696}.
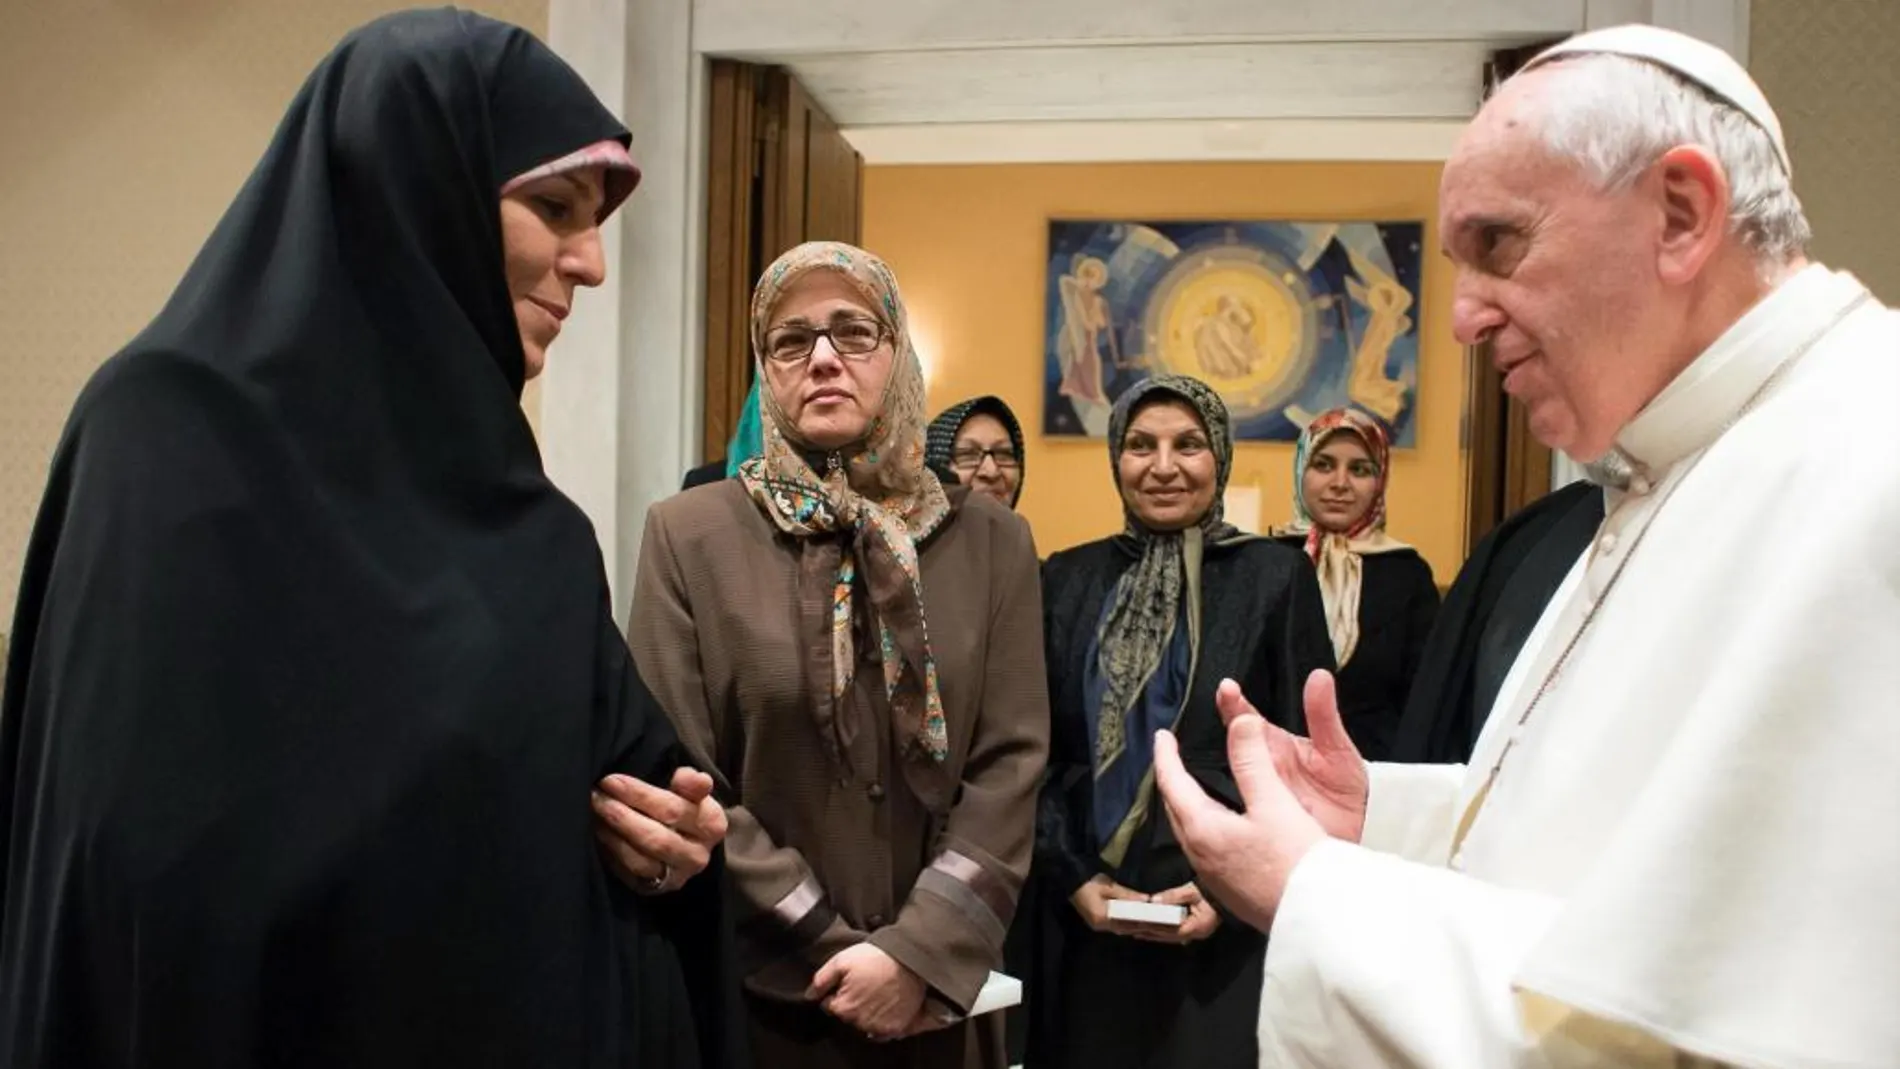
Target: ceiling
{"x": 1359, "y": 80}
{"x": 878, "y": 63}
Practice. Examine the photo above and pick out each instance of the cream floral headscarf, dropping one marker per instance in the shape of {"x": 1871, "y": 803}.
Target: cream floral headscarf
{"x": 1337, "y": 554}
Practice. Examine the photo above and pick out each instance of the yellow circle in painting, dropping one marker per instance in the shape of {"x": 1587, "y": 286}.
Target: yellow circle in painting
{"x": 1236, "y": 323}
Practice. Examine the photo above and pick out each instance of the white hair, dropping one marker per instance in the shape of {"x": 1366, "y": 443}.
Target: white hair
{"x": 1615, "y": 116}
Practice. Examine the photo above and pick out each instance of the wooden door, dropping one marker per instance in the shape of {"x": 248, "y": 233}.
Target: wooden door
{"x": 1507, "y": 468}
{"x": 778, "y": 173}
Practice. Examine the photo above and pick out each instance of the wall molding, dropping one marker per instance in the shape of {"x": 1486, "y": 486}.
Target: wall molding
{"x": 776, "y": 31}
{"x": 1277, "y": 140}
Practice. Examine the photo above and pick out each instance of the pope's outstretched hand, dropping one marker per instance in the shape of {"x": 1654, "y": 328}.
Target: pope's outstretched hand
{"x": 1296, "y": 790}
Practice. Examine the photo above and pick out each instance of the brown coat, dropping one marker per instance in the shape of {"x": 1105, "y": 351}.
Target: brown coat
{"x": 829, "y": 845}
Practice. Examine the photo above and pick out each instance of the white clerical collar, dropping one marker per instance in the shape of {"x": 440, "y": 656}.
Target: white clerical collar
{"x": 1699, "y": 403}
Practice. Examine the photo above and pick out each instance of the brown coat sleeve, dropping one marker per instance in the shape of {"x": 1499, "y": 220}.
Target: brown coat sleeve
{"x": 950, "y": 931}
{"x": 774, "y": 883}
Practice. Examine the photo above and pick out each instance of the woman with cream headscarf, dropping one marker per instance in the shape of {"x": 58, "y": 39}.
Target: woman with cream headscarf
{"x": 1141, "y": 628}
{"x": 855, "y": 654}
{"x": 1380, "y": 597}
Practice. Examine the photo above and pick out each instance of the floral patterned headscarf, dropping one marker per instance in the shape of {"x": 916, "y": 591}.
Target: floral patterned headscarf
{"x": 876, "y": 493}
{"x": 1336, "y": 554}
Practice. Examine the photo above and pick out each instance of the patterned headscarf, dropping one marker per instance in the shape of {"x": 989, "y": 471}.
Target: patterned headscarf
{"x": 1336, "y": 554}
{"x": 940, "y": 439}
{"x": 1147, "y": 599}
{"x": 877, "y": 494}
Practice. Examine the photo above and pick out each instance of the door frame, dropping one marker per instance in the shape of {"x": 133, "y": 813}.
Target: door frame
{"x": 778, "y": 173}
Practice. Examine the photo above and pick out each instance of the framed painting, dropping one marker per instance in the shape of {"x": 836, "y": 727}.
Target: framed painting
{"x": 1284, "y": 319}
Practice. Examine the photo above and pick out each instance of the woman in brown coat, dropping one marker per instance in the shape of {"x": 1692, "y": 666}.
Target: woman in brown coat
{"x": 858, "y": 657}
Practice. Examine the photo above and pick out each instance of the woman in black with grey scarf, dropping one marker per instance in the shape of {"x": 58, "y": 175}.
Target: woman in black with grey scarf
{"x": 1140, "y": 630}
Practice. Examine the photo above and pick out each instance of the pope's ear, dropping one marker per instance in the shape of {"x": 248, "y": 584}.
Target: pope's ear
{"x": 1692, "y": 192}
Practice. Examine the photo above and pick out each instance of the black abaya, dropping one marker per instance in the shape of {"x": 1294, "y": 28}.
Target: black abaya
{"x": 1397, "y": 602}
{"x": 1487, "y": 616}
{"x": 312, "y": 668}
{"x": 1101, "y": 1001}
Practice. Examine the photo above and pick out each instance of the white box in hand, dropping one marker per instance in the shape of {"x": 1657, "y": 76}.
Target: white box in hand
{"x": 999, "y": 993}
{"x": 1124, "y": 909}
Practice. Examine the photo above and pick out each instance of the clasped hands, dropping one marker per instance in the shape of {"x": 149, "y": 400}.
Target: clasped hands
{"x": 876, "y": 994}
{"x": 1296, "y": 791}
{"x": 655, "y": 840}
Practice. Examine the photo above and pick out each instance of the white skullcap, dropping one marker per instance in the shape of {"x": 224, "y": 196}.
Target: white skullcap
{"x": 1697, "y": 61}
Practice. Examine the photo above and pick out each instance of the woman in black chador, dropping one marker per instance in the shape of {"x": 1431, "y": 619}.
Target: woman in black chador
{"x": 313, "y": 669}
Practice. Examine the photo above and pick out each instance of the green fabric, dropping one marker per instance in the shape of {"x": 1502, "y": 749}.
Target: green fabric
{"x": 748, "y": 438}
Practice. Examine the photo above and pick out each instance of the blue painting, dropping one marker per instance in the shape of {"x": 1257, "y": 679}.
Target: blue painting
{"x": 1284, "y": 319}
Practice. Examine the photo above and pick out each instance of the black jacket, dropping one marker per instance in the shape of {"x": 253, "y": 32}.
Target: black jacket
{"x": 1397, "y": 604}
{"x": 1489, "y": 613}
{"x": 1262, "y": 626}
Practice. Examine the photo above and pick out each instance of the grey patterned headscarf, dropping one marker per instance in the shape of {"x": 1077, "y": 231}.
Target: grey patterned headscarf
{"x": 1147, "y": 599}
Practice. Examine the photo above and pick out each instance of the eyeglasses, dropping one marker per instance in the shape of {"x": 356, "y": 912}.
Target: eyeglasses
{"x": 970, "y": 458}
{"x": 793, "y": 344}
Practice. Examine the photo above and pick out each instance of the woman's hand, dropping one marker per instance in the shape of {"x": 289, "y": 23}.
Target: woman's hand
{"x": 1091, "y": 901}
{"x": 656, "y": 840}
{"x": 1202, "y": 919}
{"x": 871, "y": 991}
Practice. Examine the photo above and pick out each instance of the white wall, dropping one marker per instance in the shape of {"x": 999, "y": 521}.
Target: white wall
{"x": 621, "y": 398}
{"x": 126, "y": 130}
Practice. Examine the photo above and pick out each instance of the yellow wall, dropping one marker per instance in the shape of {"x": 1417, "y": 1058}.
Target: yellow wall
{"x": 969, "y": 243}
{"x": 127, "y": 129}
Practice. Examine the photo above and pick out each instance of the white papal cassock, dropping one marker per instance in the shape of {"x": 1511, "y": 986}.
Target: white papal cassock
{"x": 1691, "y": 849}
